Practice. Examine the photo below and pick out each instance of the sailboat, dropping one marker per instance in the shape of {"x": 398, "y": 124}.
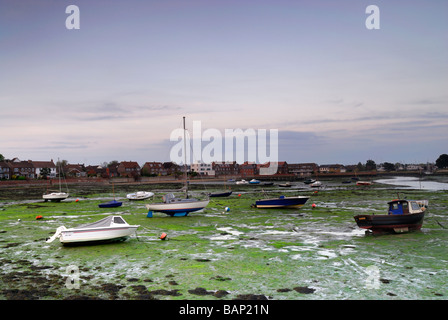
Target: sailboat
{"x": 178, "y": 207}
{"x": 111, "y": 204}
{"x": 55, "y": 195}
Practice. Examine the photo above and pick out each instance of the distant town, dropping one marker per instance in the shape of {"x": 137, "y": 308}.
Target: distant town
{"x": 16, "y": 169}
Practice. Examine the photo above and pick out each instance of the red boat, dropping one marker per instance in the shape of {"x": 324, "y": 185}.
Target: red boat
{"x": 403, "y": 216}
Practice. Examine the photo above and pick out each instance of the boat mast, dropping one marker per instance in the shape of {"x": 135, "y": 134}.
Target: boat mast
{"x": 185, "y": 162}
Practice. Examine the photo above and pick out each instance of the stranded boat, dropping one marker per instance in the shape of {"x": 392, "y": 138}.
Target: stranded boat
{"x": 111, "y": 228}
{"x": 403, "y": 216}
{"x": 140, "y": 195}
{"x": 281, "y": 202}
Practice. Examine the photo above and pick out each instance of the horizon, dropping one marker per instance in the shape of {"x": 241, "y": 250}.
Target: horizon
{"x": 336, "y": 91}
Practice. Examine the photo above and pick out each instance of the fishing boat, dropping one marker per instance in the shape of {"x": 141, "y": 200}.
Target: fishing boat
{"x": 139, "y": 195}
{"x": 178, "y": 207}
{"x": 220, "y": 194}
{"x": 56, "y": 196}
{"x": 254, "y": 181}
{"x": 111, "y": 204}
{"x": 403, "y": 216}
{"x": 111, "y": 228}
{"x": 282, "y": 202}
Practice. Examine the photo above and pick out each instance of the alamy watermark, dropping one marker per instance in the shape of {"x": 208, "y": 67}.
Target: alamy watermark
{"x": 226, "y": 148}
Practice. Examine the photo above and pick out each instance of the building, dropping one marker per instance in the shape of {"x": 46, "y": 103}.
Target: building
{"x": 75, "y": 170}
{"x": 204, "y": 169}
{"x": 248, "y": 169}
{"x": 154, "y": 168}
{"x": 128, "y": 169}
{"x": 44, "y": 168}
{"x": 19, "y": 168}
{"x": 226, "y": 168}
{"x": 5, "y": 170}
{"x": 303, "y": 169}
{"x": 332, "y": 168}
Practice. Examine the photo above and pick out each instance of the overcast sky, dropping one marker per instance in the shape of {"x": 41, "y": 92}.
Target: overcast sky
{"x": 116, "y": 88}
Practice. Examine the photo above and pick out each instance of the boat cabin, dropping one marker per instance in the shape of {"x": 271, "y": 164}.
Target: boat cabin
{"x": 401, "y": 206}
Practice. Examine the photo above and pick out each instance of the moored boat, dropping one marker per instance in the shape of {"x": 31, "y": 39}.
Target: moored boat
{"x": 111, "y": 204}
{"x": 282, "y": 202}
{"x": 285, "y": 185}
{"x": 139, "y": 195}
{"x": 254, "y": 181}
{"x": 111, "y": 228}
{"x": 55, "y": 196}
{"x": 363, "y": 183}
{"x": 176, "y": 207}
{"x": 403, "y": 216}
{"x": 242, "y": 182}
{"x": 316, "y": 184}
{"x": 220, "y": 194}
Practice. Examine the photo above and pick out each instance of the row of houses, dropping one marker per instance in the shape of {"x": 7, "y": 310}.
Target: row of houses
{"x": 29, "y": 169}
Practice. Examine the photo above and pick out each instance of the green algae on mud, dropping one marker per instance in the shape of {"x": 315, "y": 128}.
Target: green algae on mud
{"x": 245, "y": 251}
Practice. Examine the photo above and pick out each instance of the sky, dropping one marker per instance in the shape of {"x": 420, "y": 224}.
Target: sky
{"x": 117, "y": 87}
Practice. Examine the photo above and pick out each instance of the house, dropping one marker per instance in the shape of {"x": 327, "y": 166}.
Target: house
{"x": 171, "y": 168}
{"x": 248, "y": 169}
{"x": 332, "y": 168}
{"x": 226, "y": 168}
{"x": 154, "y": 168}
{"x": 21, "y": 168}
{"x": 44, "y": 169}
{"x": 96, "y": 171}
{"x": 302, "y": 169}
{"x": 75, "y": 170}
{"x": 5, "y": 170}
{"x": 128, "y": 169}
{"x": 204, "y": 169}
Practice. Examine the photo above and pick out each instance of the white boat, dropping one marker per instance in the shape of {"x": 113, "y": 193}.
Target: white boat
{"x": 178, "y": 207}
{"x": 316, "y": 184}
{"x": 57, "y": 195}
{"x": 242, "y": 182}
{"x": 254, "y": 181}
{"x": 108, "y": 229}
{"x": 140, "y": 195}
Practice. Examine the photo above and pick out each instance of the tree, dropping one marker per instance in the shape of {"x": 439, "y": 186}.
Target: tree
{"x": 2, "y": 157}
{"x": 370, "y": 165}
{"x": 442, "y": 161}
{"x": 388, "y": 166}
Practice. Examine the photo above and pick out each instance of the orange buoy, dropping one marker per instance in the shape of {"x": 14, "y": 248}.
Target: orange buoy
{"x": 239, "y": 195}
{"x": 163, "y": 236}
{"x": 39, "y": 217}
{"x": 313, "y": 205}
{"x": 76, "y": 200}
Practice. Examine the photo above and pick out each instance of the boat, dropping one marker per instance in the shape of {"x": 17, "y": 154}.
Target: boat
{"x": 285, "y": 185}
{"x": 57, "y": 196}
{"x": 309, "y": 181}
{"x": 267, "y": 184}
{"x": 363, "y": 183}
{"x": 254, "y": 181}
{"x": 282, "y": 202}
{"x": 178, "y": 207}
{"x": 220, "y": 194}
{"x": 110, "y": 228}
{"x": 403, "y": 216}
{"x": 139, "y": 195}
{"x": 242, "y": 182}
{"x": 111, "y": 204}
{"x": 316, "y": 184}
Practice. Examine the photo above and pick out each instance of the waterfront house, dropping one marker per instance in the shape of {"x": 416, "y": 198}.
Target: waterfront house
{"x": 128, "y": 169}
{"x": 5, "y": 170}
{"x": 42, "y": 166}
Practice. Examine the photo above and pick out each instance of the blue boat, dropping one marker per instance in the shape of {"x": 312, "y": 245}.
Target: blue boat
{"x": 111, "y": 204}
{"x": 254, "y": 181}
{"x": 281, "y": 202}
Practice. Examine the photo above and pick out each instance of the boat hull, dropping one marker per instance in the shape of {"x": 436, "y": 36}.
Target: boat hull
{"x": 111, "y": 204}
{"x": 222, "y": 194}
{"x": 391, "y": 222}
{"x": 181, "y": 208}
{"x": 140, "y": 195}
{"x": 88, "y": 235}
{"x": 285, "y": 202}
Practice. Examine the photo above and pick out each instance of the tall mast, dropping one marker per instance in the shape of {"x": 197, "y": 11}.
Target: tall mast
{"x": 185, "y": 162}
